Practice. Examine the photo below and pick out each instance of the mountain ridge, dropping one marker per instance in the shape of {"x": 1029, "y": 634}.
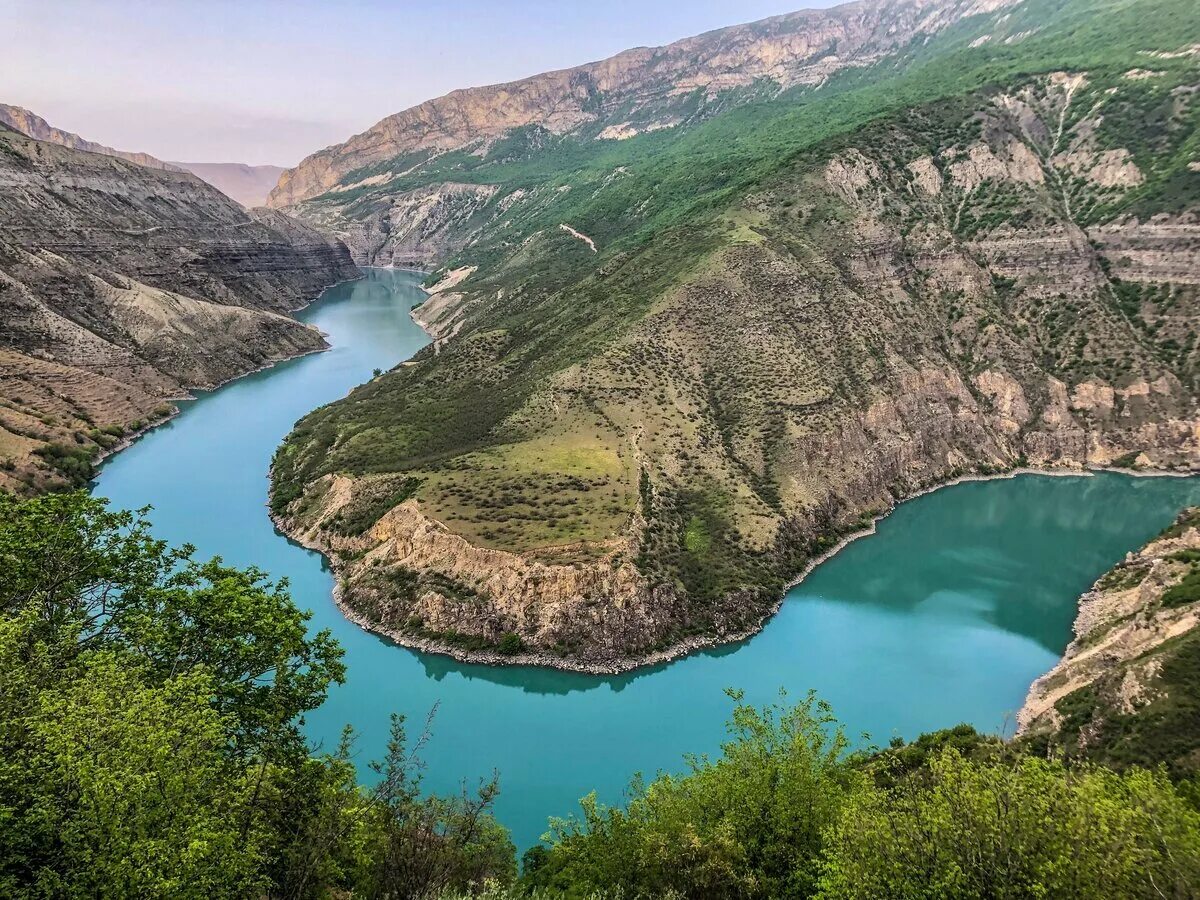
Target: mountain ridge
{"x": 786, "y": 317}
{"x": 31, "y": 124}
{"x": 788, "y": 49}
{"x": 247, "y": 184}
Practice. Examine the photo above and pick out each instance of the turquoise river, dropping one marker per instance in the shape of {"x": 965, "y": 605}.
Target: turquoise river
{"x": 961, "y": 599}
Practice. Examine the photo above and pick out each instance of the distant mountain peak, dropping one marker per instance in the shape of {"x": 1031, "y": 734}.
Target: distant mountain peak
{"x": 248, "y": 185}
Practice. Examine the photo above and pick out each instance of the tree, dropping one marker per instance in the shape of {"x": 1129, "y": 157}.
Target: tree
{"x": 150, "y": 741}
{"x": 423, "y": 846}
{"x": 749, "y": 824}
{"x": 96, "y": 580}
{"x": 959, "y": 828}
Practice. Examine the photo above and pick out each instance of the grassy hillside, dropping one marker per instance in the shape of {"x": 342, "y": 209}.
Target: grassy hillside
{"x": 797, "y": 310}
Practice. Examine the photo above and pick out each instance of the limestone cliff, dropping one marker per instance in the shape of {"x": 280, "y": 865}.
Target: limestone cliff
{"x": 414, "y": 229}
{"x": 1126, "y": 684}
{"x": 639, "y": 90}
{"x": 121, "y": 286}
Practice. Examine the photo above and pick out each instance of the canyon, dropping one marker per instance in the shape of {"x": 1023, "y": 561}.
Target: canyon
{"x": 122, "y": 286}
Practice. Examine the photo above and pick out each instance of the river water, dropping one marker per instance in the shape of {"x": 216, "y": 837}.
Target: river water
{"x": 946, "y": 615}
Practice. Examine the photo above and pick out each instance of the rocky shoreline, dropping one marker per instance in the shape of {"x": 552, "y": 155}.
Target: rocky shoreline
{"x": 133, "y": 437}
{"x": 622, "y": 665}
{"x": 1123, "y": 631}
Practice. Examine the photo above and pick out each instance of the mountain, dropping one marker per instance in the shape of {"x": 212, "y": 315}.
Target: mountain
{"x": 39, "y": 129}
{"x": 248, "y": 185}
{"x": 671, "y": 371}
{"x": 637, "y": 91}
{"x": 121, "y": 286}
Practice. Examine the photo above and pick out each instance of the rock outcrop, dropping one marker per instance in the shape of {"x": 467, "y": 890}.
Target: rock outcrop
{"x": 414, "y": 229}
{"x": 639, "y": 90}
{"x": 121, "y": 286}
{"x": 1125, "y": 684}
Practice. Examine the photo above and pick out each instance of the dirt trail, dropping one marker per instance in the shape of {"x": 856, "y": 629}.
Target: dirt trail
{"x": 583, "y": 237}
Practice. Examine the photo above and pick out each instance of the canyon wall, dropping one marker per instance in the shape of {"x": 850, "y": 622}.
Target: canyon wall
{"x": 121, "y": 286}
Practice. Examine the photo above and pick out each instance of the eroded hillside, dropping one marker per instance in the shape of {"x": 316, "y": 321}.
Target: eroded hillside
{"x": 1125, "y": 692}
{"x": 639, "y": 91}
{"x": 121, "y": 286}
{"x": 660, "y": 389}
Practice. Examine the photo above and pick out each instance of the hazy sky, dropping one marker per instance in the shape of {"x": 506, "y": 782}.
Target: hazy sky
{"x": 270, "y": 81}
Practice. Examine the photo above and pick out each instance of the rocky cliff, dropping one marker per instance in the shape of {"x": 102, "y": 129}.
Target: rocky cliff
{"x": 634, "y": 92}
{"x": 660, "y": 389}
{"x": 120, "y": 287}
{"x": 1126, "y": 691}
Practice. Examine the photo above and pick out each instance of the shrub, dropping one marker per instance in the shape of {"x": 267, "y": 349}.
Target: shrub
{"x": 510, "y": 644}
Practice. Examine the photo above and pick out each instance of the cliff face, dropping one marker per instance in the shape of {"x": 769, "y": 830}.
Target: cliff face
{"x": 661, "y": 387}
{"x": 120, "y": 287}
{"x": 633, "y": 92}
{"x": 415, "y": 229}
{"x": 1125, "y": 690}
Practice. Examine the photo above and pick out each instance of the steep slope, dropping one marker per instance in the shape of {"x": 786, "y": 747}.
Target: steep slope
{"x": 120, "y": 287}
{"x": 636, "y": 92}
{"x": 20, "y": 119}
{"x": 1127, "y": 691}
{"x": 248, "y": 185}
{"x": 661, "y": 386}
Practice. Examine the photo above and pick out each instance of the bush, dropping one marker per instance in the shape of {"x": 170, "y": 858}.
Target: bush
{"x": 510, "y": 644}
{"x": 1032, "y": 829}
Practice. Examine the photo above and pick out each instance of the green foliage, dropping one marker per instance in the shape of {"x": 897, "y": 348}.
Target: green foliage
{"x": 149, "y": 748}
{"x": 73, "y": 463}
{"x": 1030, "y": 829}
{"x": 510, "y": 644}
{"x": 787, "y": 813}
{"x": 748, "y": 824}
{"x": 1165, "y": 729}
{"x": 149, "y": 733}
{"x": 1187, "y": 591}
{"x": 441, "y": 842}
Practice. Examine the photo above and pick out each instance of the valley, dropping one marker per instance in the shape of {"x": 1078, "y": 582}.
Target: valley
{"x": 947, "y": 614}
{"x": 122, "y": 287}
{"x": 946, "y": 255}
{"x": 762, "y": 465}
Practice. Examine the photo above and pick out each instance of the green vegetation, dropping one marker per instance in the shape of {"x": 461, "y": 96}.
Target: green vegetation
{"x": 1164, "y": 729}
{"x": 73, "y": 463}
{"x": 786, "y": 813}
{"x": 711, "y": 352}
{"x": 149, "y": 739}
{"x": 149, "y": 747}
{"x": 1187, "y": 591}
{"x": 1142, "y": 709}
